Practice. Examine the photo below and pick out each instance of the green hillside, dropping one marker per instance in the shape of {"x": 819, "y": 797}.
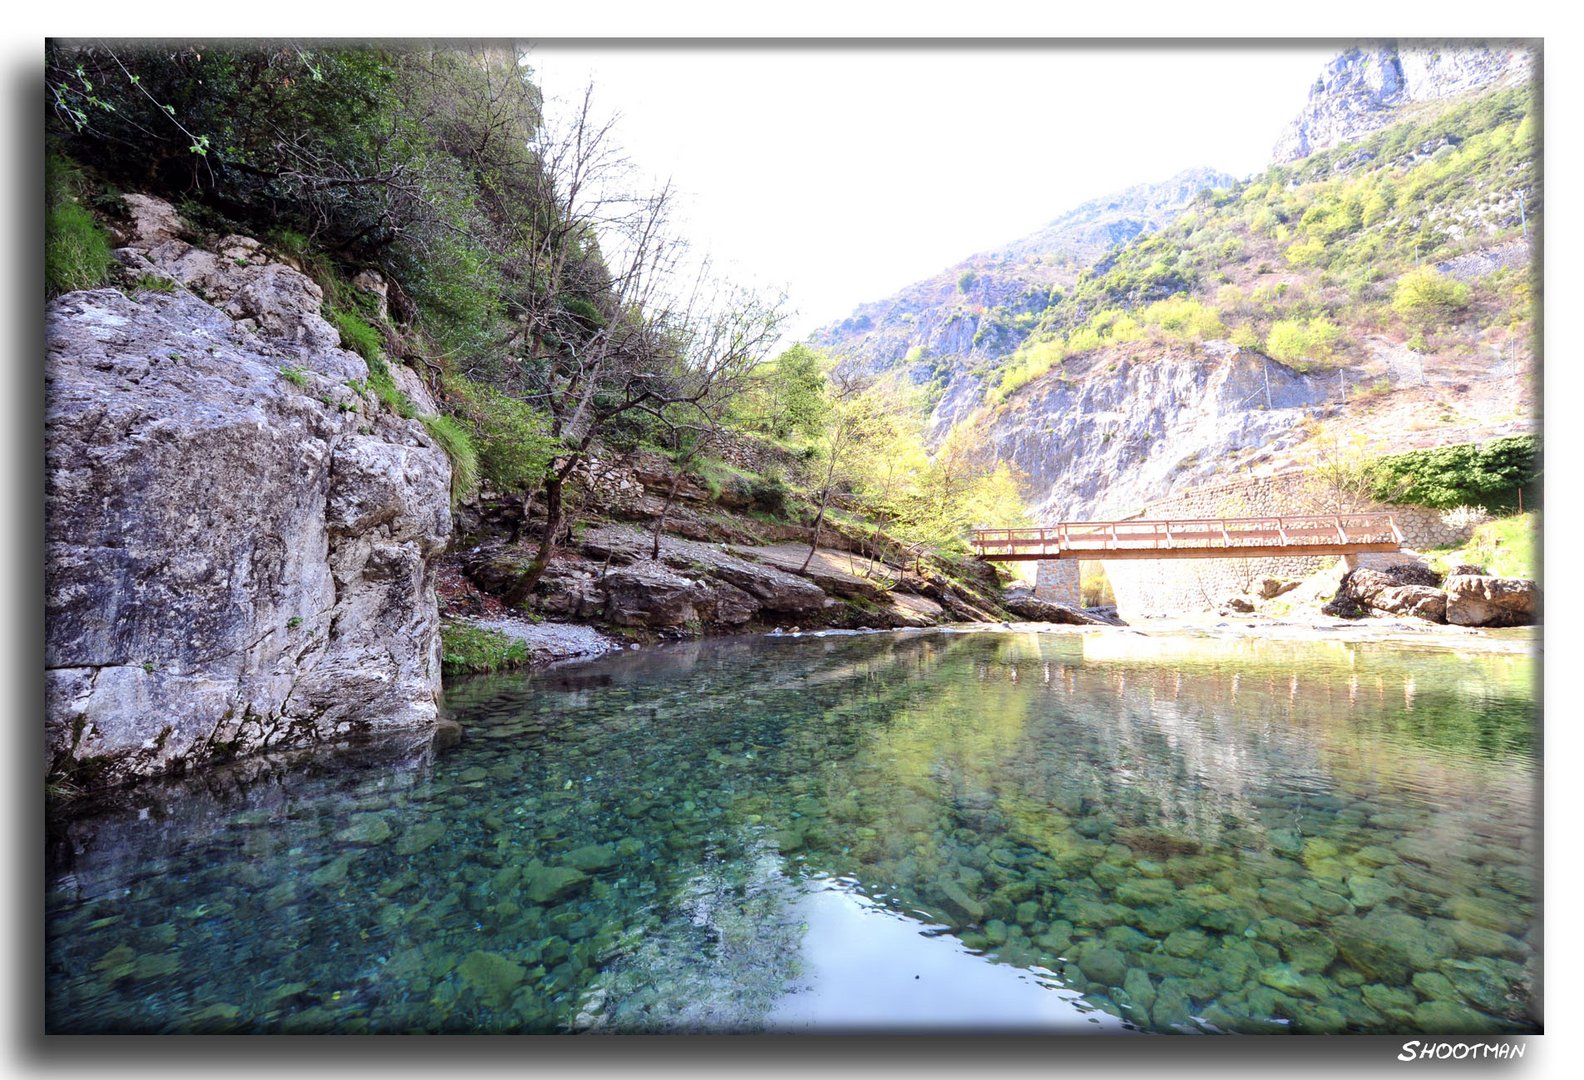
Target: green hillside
{"x": 1306, "y": 262}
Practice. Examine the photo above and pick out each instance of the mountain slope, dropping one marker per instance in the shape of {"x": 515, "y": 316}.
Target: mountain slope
{"x": 1364, "y": 90}
{"x": 983, "y": 306}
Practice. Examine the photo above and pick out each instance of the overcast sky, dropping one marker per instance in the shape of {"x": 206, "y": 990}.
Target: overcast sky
{"x": 847, "y": 172}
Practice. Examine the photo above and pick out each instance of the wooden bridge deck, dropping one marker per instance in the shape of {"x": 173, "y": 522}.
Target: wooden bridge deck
{"x": 1196, "y": 538}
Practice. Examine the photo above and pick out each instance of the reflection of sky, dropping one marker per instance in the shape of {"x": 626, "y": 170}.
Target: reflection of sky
{"x": 866, "y": 967}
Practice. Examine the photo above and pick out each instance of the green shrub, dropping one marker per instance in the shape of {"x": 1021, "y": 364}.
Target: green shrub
{"x": 1469, "y": 474}
{"x": 383, "y": 383}
{"x": 466, "y": 649}
{"x": 1506, "y": 547}
{"x": 76, "y": 250}
{"x": 1310, "y": 252}
{"x": 512, "y": 437}
{"x": 1244, "y": 337}
{"x": 1424, "y": 297}
{"x": 1184, "y": 318}
{"x": 585, "y": 312}
{"x": 1286, "y": 342}
{"x": 454, "y": 439}
{"x": 295, "y": 375}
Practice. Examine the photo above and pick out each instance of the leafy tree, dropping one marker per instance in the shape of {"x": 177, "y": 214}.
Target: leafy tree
{"x": 1469, "y": 474}
{"x": 786, "y": 397}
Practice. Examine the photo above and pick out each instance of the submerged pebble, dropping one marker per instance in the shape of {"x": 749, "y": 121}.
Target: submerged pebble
{"x": 620, "y": 847}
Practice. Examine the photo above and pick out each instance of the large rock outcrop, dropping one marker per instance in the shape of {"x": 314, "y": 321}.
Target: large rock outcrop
{"x": 1364, "y": 90}
{"x": 239, "y": 539}
{"x": 1106, "y": 432}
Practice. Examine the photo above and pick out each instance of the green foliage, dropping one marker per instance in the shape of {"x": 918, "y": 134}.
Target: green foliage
{"x": 455, "y": 440}
{"x": 1286, "y": 341}
{"x": 1506, "y": 547}
{"x": 1035, "y": 359}
{"x": 357, "y": 334}
{"x": 466, "y": 649}
{"x": 514, "y": 443}
{"x": 383, "y": 383}
{"x": 1244, "y": 337}
{"x": 966, "y": 281}
{"x": 786, "y": 398}
{"x": 295, "y": 375}
{"x": 1310, "y": 252}
{"x": 1295, "y": 341}
{"x": 152, "y": 283}
{"x": 1426, "y": 298}
{"x": 1182, "y": 317}
{"x": 76, "y": 252}
{"x": 1469, "y": 474}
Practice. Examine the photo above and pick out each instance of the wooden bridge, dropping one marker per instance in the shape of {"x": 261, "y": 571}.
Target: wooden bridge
{"x": 1194, "y": 538}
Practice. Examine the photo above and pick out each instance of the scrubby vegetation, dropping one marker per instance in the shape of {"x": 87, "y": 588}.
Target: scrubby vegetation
{"x": 1505, "y": 547}
{"x": 76, "y": 249}
{"x": 1306, "y": 261}
{"x": 471, "y": 650}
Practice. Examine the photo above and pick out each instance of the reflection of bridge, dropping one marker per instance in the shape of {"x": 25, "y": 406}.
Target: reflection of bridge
{"x": 1195, "y": 538}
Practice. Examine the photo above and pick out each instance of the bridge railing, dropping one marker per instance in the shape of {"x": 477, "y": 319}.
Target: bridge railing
{"x": 1070, "y": 538}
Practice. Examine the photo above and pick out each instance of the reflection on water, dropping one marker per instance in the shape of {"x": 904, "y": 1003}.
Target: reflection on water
{"x": 1061, "y": 831}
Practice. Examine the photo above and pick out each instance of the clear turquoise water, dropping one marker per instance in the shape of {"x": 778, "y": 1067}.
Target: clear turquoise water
{"x": 1160, "y": 833}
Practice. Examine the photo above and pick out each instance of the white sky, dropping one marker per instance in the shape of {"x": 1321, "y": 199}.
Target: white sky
{"x": 846, "y": 172}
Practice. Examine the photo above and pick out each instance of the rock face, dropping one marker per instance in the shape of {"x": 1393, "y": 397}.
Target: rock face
{"x": 1028, "y": 607}
{"x": 238, "y": 542}
{"x": 1364, "y": 90}
{"x": 1106, "y": 433}
{"x": 1491, "y": 601}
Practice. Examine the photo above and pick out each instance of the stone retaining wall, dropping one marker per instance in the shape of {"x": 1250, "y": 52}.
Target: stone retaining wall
{"x": 1173, "y": 586}
{"x": 1056, "y": 582}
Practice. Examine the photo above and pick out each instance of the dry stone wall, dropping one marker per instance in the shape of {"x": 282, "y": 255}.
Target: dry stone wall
{"x": 1146, "y": 587}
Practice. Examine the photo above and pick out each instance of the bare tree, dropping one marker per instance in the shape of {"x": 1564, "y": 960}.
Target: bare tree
{"x": 611, "y": 324}
{"x": 851, "y": 415}
{"x": 728, "y": 331}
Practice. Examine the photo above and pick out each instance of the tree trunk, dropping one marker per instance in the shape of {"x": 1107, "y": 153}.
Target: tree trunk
{"x": 536, "y": 568}
{"x": 676, "y": 483}
{"x": 819, "y": 519}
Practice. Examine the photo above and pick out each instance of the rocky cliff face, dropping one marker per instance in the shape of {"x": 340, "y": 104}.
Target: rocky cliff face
{"x": 1104, "y": 434}
{"x": 238, "y": 541}
{"x": 1364, "y": 90}
{"x": 970, "y": 311}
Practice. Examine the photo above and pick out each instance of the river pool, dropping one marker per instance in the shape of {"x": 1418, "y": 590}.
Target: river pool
{"x": 1073, "y": 832}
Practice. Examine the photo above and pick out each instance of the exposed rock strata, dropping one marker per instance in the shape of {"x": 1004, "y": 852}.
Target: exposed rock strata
{"x": 609, "y": 580}
{"x": 1102, "y": 434}
{"x": 236, "y": 559}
